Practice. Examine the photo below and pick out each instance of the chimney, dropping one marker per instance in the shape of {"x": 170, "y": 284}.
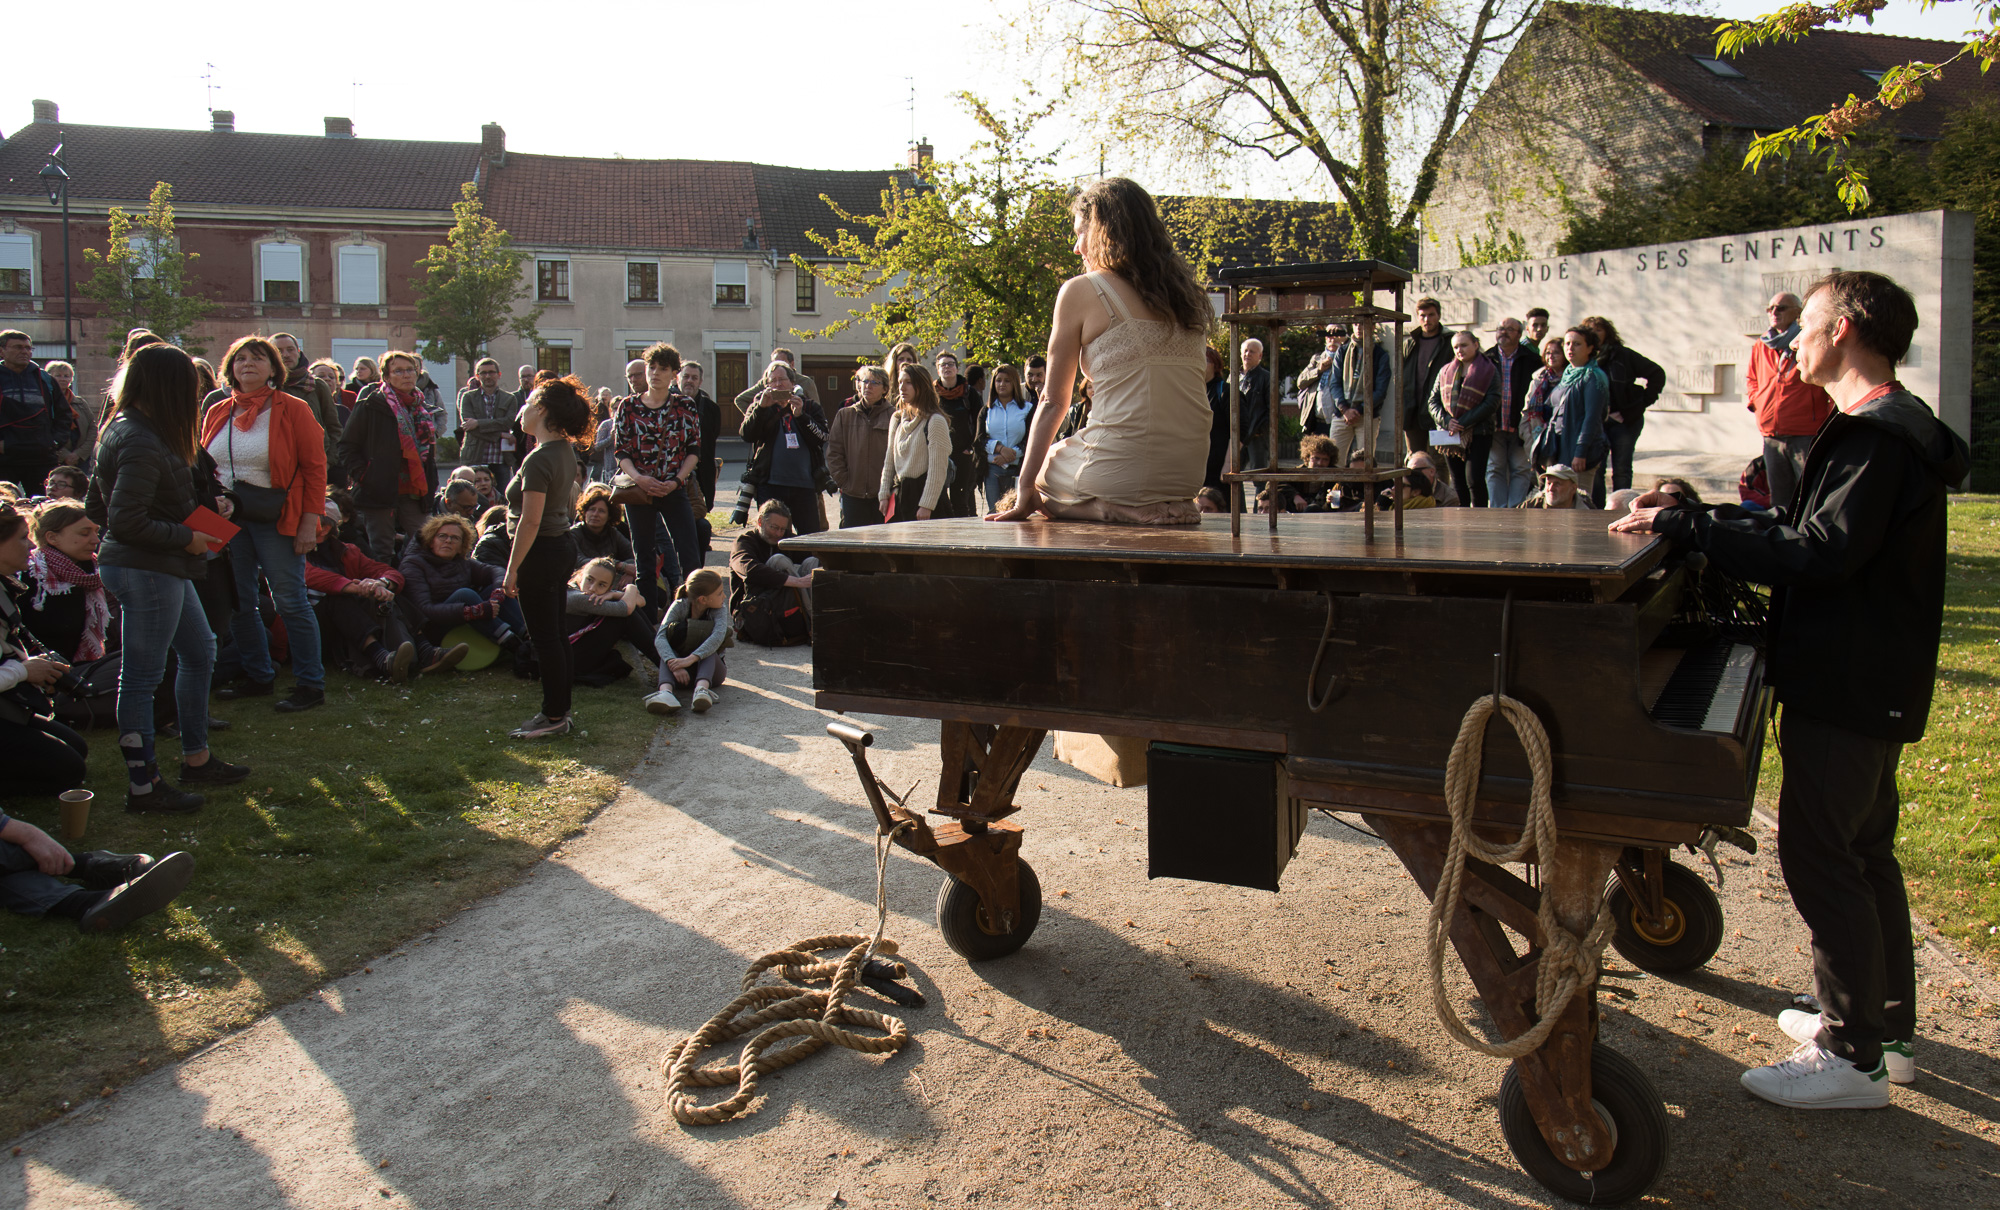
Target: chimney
{"x": 749, "y": 235}
{"x": 45, "y": 111}
{"x": 222, "y": 119}
{"x": 493, "y": 144}
{"x": 920, "y": 155}
{"x": 340, "y": 128}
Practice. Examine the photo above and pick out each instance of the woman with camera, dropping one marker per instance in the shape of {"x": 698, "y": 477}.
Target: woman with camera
{"x": 143, "y": 494}
{"x": 272, "y": 455}
{"x": 787, "y": 436}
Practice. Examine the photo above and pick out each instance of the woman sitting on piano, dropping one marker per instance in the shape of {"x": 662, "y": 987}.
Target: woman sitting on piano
{"x": 1136, "y": 323}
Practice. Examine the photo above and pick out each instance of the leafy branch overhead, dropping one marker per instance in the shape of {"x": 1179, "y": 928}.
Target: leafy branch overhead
{"x": 470, "y": 284}
{"x": 970, "y": 252}
{"x": 1829, "y": 134}
{"x": 141, "y": 279}
{"x": 1342, "y": 84}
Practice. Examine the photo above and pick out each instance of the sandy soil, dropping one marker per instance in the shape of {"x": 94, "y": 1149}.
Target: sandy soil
{"x": 1157, "y": 1043}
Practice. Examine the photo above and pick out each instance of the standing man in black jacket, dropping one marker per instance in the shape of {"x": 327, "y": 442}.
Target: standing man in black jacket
{"x": 1426, "y": 349}
{"x": 1625, "y": 418}
{"x": 1857, "y": 603}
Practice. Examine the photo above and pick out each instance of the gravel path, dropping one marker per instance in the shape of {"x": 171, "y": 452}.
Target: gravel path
{"x": 1157, "y": 1043}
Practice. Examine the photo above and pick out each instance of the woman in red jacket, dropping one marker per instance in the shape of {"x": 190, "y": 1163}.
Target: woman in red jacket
{"x": 271, "y": 454}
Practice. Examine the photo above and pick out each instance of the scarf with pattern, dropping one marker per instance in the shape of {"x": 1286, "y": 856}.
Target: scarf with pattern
{"x": 56, "y": 575}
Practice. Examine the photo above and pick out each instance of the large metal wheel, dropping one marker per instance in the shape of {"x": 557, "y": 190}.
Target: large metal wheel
{"x": 962, "y": 919}
{"x": 1626, "y": 1100}
{"x": 1690, "y": 930}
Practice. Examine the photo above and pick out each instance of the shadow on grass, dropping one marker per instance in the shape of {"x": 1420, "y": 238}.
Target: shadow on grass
{"x": 364, "y": 821}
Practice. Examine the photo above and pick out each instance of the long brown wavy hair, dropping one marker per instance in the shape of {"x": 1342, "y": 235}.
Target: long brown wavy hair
{"x": 1123, "y": 234}
{"x": 159, "y": 385}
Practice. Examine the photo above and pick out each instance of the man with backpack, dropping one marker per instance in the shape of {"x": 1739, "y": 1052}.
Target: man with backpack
{"x": 770, "y": 595}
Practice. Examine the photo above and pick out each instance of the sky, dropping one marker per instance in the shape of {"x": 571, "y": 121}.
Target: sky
{"x": 776, "y": 81}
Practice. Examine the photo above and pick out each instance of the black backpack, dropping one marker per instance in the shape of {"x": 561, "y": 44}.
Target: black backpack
{"x": 776, "y": 617}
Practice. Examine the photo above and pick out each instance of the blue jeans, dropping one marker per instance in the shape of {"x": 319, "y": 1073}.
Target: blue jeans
{"x": 159, "y": 611}
{"x": 509, "y": 615}
{"x": 1509, "y": 478}
{"x": 664, "y": 528}
{"x": 999, "y": 481}
{"x": 259, "y": 546}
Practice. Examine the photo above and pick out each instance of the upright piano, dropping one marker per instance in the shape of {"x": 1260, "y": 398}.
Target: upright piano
{"x": 1310, "y": 666}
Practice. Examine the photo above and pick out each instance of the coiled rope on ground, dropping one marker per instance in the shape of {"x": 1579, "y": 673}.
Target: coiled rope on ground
{"x": 789, "y": 1011}
{"x": 1568, "y": 962}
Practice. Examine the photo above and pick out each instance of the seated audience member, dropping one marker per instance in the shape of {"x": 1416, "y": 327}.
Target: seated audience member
{"x": 1558, "y": 490}
{"x": 1620, "y": 501}
{"x": 599, "y": 615}
{"x": 65, "y": 607}
{"x": 1677, "y": 487}
{"x": 690, "y": 642}
{"x": 43, "y": 756}
{"x": 355, "y": 599}
{"x": 494, "y": 544}
{"x": 117, "y": 888}
{"x": 1315, "y": 453}
{"x": 1421, "y": 487}
{"x": 444, "y": 587}
{"x": 65, "y": 483}
{"x": 596, "y": 533}
{"x": 460, "y": 498}
{"x": 489, "y": 492}
{"x": 1443, "y": 491}
{"x": 1209, "y": 500}
{"x": 770, "y": 595}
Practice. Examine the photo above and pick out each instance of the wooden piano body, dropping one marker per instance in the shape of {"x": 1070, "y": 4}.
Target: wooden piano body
{"x": 1332, "y": 671}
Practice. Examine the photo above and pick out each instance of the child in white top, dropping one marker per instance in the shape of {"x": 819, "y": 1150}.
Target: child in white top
{"x": 691, "y": 640}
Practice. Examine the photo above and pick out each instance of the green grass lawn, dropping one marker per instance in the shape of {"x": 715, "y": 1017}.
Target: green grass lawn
{"x": 1947, "y": 841}
{"x": 365, "y": 822}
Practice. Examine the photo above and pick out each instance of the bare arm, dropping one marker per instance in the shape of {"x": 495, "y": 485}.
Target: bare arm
{"x": 532, "y": 504}
{"x": 1065, "y": 355}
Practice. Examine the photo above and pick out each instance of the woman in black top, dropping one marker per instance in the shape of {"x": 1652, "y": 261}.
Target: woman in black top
{"x": 543, "y": 554}
{"x": 142, "y": 493}
{"x": 597, "y": 536}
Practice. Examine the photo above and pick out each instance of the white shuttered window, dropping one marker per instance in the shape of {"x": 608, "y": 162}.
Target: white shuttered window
{"x": 360, "y": 276}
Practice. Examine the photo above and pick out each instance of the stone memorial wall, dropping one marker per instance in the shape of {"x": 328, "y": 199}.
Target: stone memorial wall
{"x": 1695, "y": 308}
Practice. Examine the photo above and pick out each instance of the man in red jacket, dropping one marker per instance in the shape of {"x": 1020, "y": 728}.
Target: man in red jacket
{"x": 1789, "y": 409}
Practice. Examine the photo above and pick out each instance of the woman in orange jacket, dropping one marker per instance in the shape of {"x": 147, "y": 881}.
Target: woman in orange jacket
{"x": 271, "y": 454}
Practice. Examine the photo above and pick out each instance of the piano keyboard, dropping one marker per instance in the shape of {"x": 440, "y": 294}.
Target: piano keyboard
{"x": 1707, "y": 687}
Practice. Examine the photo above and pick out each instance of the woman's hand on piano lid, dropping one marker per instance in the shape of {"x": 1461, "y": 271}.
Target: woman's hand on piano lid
{"x": 1644, "y": 509}
{"x": 1027, "y": 501}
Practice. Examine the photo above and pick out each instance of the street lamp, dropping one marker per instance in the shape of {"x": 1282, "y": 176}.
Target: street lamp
{"x": 55, "y": 178}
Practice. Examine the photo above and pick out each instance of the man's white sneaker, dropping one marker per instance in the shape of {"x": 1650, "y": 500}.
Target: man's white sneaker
{"x": 662, "y": 701}
{"x": 1898, "y": 1057}
{"x": 703, "y": 699}
{"x": 1813, "y": 1078}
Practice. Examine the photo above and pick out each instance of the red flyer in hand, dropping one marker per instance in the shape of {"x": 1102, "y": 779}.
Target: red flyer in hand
{"x": 205, "y": 520}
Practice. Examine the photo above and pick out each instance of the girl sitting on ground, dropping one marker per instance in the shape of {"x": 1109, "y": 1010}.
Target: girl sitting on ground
{"x": 599, "y": 614}
{"x": 691, "y": 639}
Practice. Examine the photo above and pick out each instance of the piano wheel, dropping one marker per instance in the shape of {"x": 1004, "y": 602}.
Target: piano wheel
{"x": 963, "y": 921}
{"x": 1628, "y": 1103}
{"x": 1693, "y": 929}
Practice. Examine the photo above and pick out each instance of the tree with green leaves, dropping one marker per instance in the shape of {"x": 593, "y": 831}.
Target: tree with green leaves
{"x": 470, "y": 284}
{"x": 141, "y": 279}
{"x": 1368, "y": 92}
{"x": 1830, "y": 135}
{"x": 972, "y": 251}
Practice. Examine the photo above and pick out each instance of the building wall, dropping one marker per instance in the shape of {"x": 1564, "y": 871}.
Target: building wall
{"x": 1696, "y": 307}
{"x": 226, "y": 270}
{"x": 1563, "y": 118}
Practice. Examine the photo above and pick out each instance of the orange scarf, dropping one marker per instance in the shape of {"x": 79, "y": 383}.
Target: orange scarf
{"x": 257, "y": 401}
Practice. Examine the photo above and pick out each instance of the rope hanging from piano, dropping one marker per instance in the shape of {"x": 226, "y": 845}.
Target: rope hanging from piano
{"x": 1568, "y": 962}
{"x": 797, "y": 1012}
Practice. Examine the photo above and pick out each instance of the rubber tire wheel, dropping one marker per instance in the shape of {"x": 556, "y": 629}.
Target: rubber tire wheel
{"x": 1698, "y": 915}
{"x": 1623, "y": 1094}
{"x": 959, "y": 915}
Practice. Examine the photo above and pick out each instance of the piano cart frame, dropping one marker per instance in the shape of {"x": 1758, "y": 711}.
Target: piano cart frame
{"x": 1582, "y": 1120}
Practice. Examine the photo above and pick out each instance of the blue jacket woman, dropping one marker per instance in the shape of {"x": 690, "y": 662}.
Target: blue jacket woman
{"x": 1575, "y": 432}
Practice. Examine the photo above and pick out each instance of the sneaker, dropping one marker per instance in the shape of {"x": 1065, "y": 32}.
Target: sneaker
{"x": 217, "y": 724}
{"x": 1812, "y": 1078}
{"x": 302, "y": 698}
{"x": 162, "y": 799}
{"x": 662, "y": 701}
{"x": 396, "y": 664}
{"x": 214, "y": 771}
{"x": 445, "y": 661}
{"x": 702, "y": 700}
{"x": 539, "y": 727}
{"x": 152, "y": 889}
{"x": 245, "y": 687}
{"x": 1898, "y": 1057}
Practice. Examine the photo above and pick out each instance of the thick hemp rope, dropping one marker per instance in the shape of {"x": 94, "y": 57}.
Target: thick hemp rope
{"x": 1568, "y": 962}
{"x": 812, "y": 1015}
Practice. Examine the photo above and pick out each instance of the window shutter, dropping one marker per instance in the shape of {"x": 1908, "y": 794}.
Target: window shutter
{"x": 17, "y": 252}
{"x": 360, "y": 276}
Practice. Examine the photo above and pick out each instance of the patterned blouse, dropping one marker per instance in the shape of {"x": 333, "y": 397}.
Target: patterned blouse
{"x": 657, "y": 440}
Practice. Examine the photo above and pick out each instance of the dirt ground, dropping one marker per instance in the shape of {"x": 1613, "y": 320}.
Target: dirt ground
{"x": 1156, "y": 1044}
